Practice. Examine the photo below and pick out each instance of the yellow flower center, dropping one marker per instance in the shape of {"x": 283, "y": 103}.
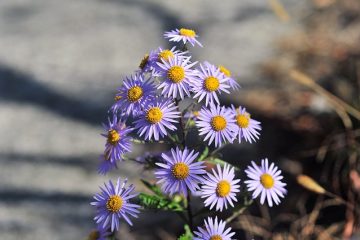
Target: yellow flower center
{"x": 267, "y": 180}
{"x": 187, "y": 32}
{"x": 165, "y": 55}
{"x": 144, "y": 61}
{"x": 154, "y": 115}
{"x": 196, "y": 113}
{"x": 176, "y": 74}
{"x": 114, "y": 203}
{"x": 113, "y": 137}
{"x": 243, "y": 120}
{"x": 134, "y": 93}
{"x": 180, "y": 171}
{"x": 211, "y": 84}
{"x": 216, "y": 237}
{"x": 218, "y": 123}
{"x": 225, "y": 71}
{"x": 223, "y": 188}
{"x": 94, "y": 235}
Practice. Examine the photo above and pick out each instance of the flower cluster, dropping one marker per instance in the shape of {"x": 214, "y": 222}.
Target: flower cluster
{"x": 148, "y": 108}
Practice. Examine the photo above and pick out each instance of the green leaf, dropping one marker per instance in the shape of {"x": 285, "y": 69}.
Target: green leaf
{"x": 204, "y": 154}
{"x": 159, "y": 202}
{"x": 187, "y": 235}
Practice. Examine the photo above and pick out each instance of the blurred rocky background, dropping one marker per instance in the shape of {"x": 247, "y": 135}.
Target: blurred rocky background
{"x": 298, "y": 63}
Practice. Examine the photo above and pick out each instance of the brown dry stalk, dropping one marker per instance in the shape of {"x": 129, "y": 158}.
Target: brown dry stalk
{"x": 341, "y": 107}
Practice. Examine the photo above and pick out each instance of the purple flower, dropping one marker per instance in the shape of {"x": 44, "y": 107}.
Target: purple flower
{"x": 210, "y": 82}
{"x": 217, "y": 124}
{"x": 180, "y": 173}
{"x": 247, "y": 128}
{"x": 113, "y": 204}
{"x": 183, "y": 34}
{"x": 106, "y": 165}
{"x": 231, "y": 81}
{"x": 118, "y": 142}
{"x": 133, "y": 95}
{"x": 193, "y": 115}
{"x": 98, "y": 234}
{"x": 160, "y": 55}
{"x": 146, "y": 65}
{"x": 220, "y": 188}
{"x": 158, "y": 116}
{"x": 214, "y": 230}
{"x": 266, "y": 181}
{"x": 178, "y": 75}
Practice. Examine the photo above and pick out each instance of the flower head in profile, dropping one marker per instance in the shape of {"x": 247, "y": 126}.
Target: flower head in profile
{"x": 231, "y": 81}
{"x": 220, "y": 188}
{"x": 265, "y": 181}
{"x": 217, "y": 124}
{"x": 113, "y": 204}
{"x": 192, "y": 115}
{"x": 106, "y": 165}
{"x": 177, "y": 75}
{"x": 158, "y": 117}
{"x": 248, "y": 128}
{"x": 99, "y": 233}
{"x": 179, "y": 173}
{"x": 165, "y": 54}
{"x": 118, "y": 142}
{"x": 147, "y": 64}
{"x": 133, "y": 95}
{"x": 214, "y": 230}
{"x": 183, "y": 35}
{"x": 209, "y": 84}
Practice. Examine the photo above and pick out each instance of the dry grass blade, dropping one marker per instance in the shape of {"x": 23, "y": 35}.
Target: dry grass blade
{"x": 341, "y": 107}
{"x": 279, "y": 10}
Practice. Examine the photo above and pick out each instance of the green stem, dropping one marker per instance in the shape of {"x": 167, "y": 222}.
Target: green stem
{"x": 189, "y": 211}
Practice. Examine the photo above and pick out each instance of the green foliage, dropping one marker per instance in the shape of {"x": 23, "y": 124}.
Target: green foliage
{"x": 204, "y": 154}
{"x": 159, "y": 200}
{"x": 187, "y": 235}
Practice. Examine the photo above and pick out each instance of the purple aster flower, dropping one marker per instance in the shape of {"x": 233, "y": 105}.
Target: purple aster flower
{"x": 98, "y": 234}
{"x": 180, "y": 173}
{"x": 210, "y": 83}
{"x": 183, "y": 34}
{"x": 157, "y": 117}
{"x": 193, "y": 115}
{"x": 218, "y": 124}
{"x": 214, "y": 230}
{"x": 178, "y": 75}
{"x": 160, "y": 55}
{"x": 231, "y": 81}
{"x": 133, "y": 95}
{"x": 247, "y": 128}
{"x": 118, "y": 142}
{"x": 106, "y": 165}
{"x": 266, "y": 181}
{"x": 147, "y": 65}
{"x": 220, "y": 188}
{"x": 113, "y": 203}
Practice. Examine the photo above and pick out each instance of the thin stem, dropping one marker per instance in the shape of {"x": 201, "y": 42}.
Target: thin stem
{"x": 181, "y": 125}
{"x": 339, "y": 199}
{"x": 218, "y": 149}
{"x": 189, "y": 211}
